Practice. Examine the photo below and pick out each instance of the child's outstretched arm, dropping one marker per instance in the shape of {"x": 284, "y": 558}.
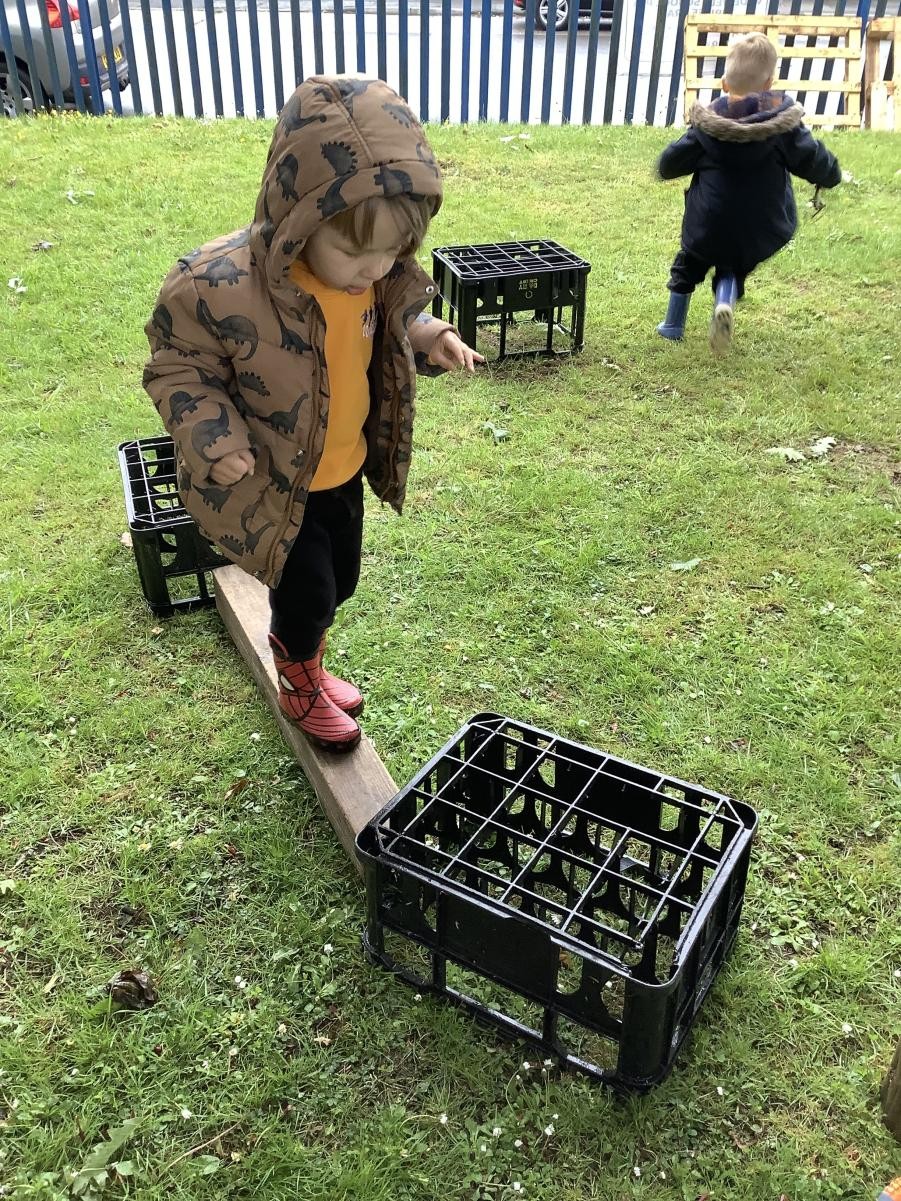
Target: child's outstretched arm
{"x": 680, "y": 157}
{"x": 188, "y": 381}
{"x": 809, "y": 159}
{"x": 437, "y": 347}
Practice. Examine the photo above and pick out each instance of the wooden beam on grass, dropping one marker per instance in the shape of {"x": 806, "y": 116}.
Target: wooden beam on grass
{"x": 890, "y": 1094}
{"x": 352, "y": 787}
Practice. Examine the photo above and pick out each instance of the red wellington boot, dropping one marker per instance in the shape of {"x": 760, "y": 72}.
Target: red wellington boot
{"x": 340, "y": 692}
{"x": 303, "y": 699}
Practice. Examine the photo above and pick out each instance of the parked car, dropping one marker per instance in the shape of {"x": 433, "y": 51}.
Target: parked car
{"x": 561, "y": 21}
{"x": 41, "y": 95}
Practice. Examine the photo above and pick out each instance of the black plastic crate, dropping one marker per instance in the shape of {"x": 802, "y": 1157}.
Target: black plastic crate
{"x": 567, "y": 896}
{"x": 172, "y": 555}
{"x": 488, "y": 285}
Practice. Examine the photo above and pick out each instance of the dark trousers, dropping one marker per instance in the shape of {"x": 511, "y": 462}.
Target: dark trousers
{"x": 322, "y": 569}
{"x": 689, "y": 270}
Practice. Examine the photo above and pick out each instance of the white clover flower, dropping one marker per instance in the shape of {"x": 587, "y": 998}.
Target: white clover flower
{"x": 281, "y": 1028}
{"x": 483, "y": 1147}
{"x": 847, "y": 1029}
{"x": 517, "y": 1187}
{"x": 443, "y": 1119}
{"x": 663, "y": 1175}
{"x": 232, "y": 1052}
{"x": 720, "y": 1091}
{"x": 526, "y": 1066}
{"x": 549, "y": 1063}
{"x": 205, "y": 1064}
{"x": 417, "y": 996}
{"x": 254, "y": 737}
{"x": 186, "y": 1113}
{"x": 555, "y": 1116}
{"x": 517, "y": 1142}
{"x": 636, "y": 1171}
{"x": 328, "y": 948}
{"x": 897, "y": 973}
{"x": 496, "y": 1132}
{"x": 549, "y": 1130}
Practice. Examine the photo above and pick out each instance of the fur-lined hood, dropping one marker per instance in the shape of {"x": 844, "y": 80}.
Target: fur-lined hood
{"x": 753, "y": 118}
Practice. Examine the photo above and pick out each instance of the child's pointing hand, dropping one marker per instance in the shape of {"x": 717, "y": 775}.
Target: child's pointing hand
{"x": 450, "y": 352}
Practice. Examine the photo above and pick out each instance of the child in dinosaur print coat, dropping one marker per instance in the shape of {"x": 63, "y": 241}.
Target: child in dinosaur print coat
{"x": 283, "y": 363}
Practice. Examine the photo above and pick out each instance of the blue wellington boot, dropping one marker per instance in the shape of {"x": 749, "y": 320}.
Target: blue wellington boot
{"x": 673, "y": 324}
{"x": 725, "y": 298}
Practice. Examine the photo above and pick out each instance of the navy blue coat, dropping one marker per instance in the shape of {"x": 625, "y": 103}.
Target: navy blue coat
{"x": 740, "y": 206}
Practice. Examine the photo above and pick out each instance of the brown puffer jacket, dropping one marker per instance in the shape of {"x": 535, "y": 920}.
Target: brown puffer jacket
{"x": 237, "y": 351}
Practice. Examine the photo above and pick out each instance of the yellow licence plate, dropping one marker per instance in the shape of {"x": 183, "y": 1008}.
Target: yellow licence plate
{"x": 117, "y": 57}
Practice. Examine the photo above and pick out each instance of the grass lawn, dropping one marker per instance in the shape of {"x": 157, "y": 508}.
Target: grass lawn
{"x": 150, "y": 816}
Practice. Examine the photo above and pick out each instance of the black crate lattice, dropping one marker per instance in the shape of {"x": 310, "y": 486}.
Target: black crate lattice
{"x": 521, "y": 867}
{"x": 489, "y": 284}
{"x": 167, "y": 544}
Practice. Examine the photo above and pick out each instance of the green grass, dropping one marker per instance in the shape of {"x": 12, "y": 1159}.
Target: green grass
{"x": 144, "y": 823}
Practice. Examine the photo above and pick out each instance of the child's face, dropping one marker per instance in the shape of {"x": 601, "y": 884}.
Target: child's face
{"x": 337, "y": 263}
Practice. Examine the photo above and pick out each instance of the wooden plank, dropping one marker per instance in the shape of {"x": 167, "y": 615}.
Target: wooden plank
{"x": 788, "y": 85}
{"x": 351, "y": 788}
{"x": 790, "y": 52}
{"x": 739, "y": 23}
{"x": 882, "y": 26}
{"x": 699, "y": 26}
{"x": 775, "y": 27}
{"x": 876, "y": 109}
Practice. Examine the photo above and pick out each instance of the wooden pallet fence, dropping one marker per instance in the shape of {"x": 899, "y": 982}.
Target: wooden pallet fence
{"x": 882, "y": 106}
{"x": 797, "y": 39}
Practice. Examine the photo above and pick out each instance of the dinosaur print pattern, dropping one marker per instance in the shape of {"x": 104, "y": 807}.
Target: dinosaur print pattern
{"x": 252, "y": 383}
{"x": 343, "y": 162}
{"x": 237, "y": 358}
{"x": 222, "y": 270}
{"x": 182, "y": 403}
{"x": 207, "y": 433}
{"x": 348, "y": 89}
{"x": 286, "y": 174}
{"x": 292, "y": 340}
{"x": 213, "y": 496}
{"x": 234, "y": 328}
{"x": 401, "y": 114}
{"x": 291, "y": 119}
{"x": 285, "y": 421}
{"x": 394, "y": 182}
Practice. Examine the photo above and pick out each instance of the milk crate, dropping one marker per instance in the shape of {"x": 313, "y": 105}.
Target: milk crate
{"x": 497, "y": 283}
{"x": 569, "y": 897}
{"x": 172, "y": 555}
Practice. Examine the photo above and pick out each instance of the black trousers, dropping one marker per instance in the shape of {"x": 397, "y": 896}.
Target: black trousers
{"x": 689, "y": 270}
{"x": 322, "y": 569}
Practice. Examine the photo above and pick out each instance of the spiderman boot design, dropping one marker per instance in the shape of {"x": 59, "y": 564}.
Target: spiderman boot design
{"x": 302, "y": 698}
{"x": 340, "y": 692}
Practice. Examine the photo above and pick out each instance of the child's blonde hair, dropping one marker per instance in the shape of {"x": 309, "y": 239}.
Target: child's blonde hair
{"x": 412, "y": 213}
{"x": 750, "y": 64}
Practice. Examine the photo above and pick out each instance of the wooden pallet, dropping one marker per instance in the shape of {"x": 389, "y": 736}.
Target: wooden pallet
{"x": 882, "y": 98}
{"x": 842, "y": 33}
{"x": 351, "y": 788}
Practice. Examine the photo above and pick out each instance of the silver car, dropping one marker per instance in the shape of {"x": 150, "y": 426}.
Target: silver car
{"x": 41, "y": 92}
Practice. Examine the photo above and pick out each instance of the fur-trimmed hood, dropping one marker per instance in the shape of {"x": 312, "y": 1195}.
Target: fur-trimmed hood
{"x": 753, "y": 118}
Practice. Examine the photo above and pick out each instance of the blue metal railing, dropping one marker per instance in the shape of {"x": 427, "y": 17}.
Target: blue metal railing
{"x": 475, "y": 57}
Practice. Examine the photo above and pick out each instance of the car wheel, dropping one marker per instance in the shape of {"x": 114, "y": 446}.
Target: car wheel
{"x": 543, "y": 11}
{"x": 7, "y": 96}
